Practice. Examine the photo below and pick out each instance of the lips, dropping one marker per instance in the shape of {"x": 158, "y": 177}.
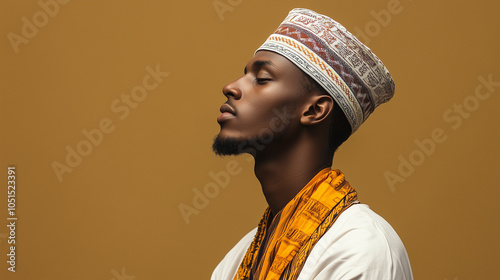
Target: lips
{"x": 227, "y": 112}
{"x": 226, "y": 108}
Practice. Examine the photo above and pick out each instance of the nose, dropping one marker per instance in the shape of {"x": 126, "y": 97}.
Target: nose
{"x": 232, "y": 90}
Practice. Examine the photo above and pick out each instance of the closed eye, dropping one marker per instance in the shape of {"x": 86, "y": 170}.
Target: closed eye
{"x": 262, "y": 81}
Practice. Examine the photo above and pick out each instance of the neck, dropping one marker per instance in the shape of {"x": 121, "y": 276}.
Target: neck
{"x": 283, "y": 174}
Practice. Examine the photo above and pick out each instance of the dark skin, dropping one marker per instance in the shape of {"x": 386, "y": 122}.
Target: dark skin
{"x": 299, "y": 148}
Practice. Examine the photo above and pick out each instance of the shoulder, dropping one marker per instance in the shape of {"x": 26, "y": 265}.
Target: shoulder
{"x": 359, "y": 245}
{"x": 229, "y": 265}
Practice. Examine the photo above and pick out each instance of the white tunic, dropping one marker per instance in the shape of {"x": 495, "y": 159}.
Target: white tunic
{"x": 360, "y": 245}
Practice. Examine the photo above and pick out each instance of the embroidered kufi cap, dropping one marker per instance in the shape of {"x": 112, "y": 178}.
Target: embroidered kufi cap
{"x": 347, "y": 69}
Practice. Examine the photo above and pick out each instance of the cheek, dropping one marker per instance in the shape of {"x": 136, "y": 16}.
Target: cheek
{"x": 256, "y": 115}
{"x": 264, "y": 117}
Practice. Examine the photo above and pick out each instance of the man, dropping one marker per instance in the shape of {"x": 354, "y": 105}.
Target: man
{"x": 305, "y": 91}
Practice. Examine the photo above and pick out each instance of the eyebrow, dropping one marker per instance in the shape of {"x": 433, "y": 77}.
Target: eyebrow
{"x": 261, "y": 63}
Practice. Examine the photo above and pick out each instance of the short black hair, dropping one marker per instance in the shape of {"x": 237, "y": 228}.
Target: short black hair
{"x": 340, "y": 129}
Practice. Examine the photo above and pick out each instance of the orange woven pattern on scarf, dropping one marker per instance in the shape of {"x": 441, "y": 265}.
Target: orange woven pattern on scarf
{"x": 302, "y": 222}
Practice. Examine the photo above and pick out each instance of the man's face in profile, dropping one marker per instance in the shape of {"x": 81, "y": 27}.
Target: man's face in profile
{"x": 262, "y": 105}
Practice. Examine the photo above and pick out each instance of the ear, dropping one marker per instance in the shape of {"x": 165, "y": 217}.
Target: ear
{"x": 317, "y": 109}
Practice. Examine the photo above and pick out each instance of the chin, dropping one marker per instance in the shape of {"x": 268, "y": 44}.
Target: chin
{"x": 226, "y": 146}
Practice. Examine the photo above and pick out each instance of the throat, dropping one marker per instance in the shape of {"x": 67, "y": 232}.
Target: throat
{"x": 281, "y": 180}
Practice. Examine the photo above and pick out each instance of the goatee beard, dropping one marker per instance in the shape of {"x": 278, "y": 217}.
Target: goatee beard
{"x": 227, "y": 146}
{"x": 233, "y": 146}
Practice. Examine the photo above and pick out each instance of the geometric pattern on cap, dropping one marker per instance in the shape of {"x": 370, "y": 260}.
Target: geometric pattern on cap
{"x": 359, "y": 68}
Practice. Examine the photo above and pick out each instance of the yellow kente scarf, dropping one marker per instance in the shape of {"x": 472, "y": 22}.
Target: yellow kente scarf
{"x": 301, "y": 224}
